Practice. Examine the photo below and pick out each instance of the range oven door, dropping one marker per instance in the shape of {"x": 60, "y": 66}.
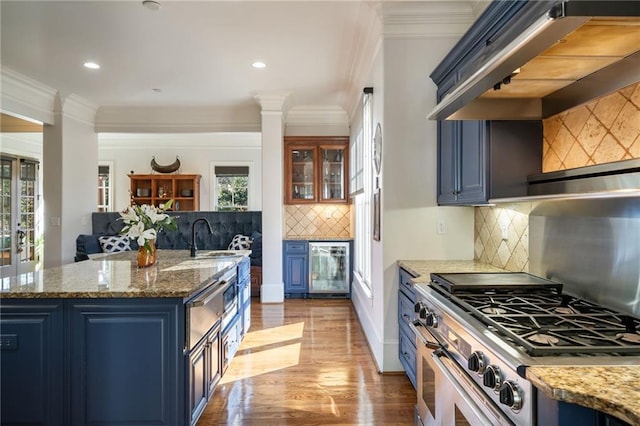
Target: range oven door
{"x": 446, "y": 395}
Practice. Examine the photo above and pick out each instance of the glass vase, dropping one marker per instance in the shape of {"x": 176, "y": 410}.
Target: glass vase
{"x": 147, "y": 257}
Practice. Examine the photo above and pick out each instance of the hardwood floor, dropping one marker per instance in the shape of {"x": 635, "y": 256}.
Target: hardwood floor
{"x": 306, "y": 362}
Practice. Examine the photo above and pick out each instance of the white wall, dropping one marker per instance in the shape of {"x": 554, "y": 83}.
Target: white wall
{"x": 403, "y": 95}
{"x": 198, "y": 152}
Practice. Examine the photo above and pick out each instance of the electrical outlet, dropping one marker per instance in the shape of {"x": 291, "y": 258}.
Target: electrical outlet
{"x": 441, "y": 227}
{"x": 504, "y": 228}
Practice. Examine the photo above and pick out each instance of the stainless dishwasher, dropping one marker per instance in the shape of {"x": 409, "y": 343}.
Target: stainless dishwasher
{"x": 207, "y": 308}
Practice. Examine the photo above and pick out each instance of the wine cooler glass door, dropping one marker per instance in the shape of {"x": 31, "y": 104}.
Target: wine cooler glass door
{"x": 329, "y": 267}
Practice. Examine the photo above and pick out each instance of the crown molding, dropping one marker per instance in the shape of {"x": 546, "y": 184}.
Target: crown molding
{"x": 329, "y": 120}
{"x": 178, "y": 119}
{"x": 197, "y": 141}
{"x": 79, "y": 109}
{"x": 26, "y": 97}
{"x": 427, "y": 19}
{"x": 272, "y": 101}
{"x": 366, "y": 48}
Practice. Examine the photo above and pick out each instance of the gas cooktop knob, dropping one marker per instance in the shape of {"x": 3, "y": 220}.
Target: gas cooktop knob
{"x": 477, "y": 362}
{"x": 421, "y": 310}
{"x": 492, "y": 377}
{"x": 511, "y": 395}
{"x": 431, "y": 320}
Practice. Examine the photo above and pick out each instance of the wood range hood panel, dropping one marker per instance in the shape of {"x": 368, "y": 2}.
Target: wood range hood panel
{"x": 545, "y": 62}
{"x": 589, "y": 49}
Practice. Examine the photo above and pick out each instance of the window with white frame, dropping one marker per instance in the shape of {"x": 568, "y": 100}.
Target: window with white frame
{"x": 362, "y": 198}
{"x": 104, "y": 188}
{"x": 231, "y": 188}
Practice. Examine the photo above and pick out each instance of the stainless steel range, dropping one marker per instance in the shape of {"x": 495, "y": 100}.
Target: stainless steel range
{"x": 478, "y": 332}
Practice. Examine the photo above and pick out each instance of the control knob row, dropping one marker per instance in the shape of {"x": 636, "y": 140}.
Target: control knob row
{"x": 430, "y": 318}
{"x": 510, "y": 394}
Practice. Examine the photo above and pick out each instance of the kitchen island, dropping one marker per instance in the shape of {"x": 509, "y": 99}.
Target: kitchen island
{"x": 102, "y": 341}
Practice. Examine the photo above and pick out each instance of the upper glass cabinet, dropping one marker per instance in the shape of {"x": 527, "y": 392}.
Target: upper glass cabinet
{"x": 316, "y": 170}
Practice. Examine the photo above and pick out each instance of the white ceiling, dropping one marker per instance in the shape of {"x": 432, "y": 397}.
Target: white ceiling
{"x": 199, "y": 53}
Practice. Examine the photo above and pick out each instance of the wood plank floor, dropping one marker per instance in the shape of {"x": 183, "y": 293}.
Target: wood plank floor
{"x": 306, "y": 362}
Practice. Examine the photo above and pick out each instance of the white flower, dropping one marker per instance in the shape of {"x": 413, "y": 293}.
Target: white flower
{"x": 143, "y": 223}
{"x": 129, "y": 215}
{"x": 137, "y": 231}
{"x": 154, "y": 215}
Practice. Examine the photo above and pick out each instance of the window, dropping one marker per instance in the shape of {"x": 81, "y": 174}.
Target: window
{"x": 104, "y": 188}
{"x": 362, "y": 199}
{"x": 28, "y": 204}
{"x": 21, "y": 244}
{"x": 231, "y": 188}
{"x": 5, "y": 212}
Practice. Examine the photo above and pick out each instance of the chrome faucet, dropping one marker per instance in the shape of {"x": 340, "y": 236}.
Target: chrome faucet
{"x": 193, "y": 246}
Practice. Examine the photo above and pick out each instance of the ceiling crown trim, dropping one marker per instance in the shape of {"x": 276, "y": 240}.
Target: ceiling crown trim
{"x": 26, "y": 97}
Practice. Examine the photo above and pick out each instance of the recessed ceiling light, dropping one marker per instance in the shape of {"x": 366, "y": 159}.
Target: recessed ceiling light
{"x": 151, "y": 4}
{"x": 258, "y": 65}
{"x": 91, "y": 65}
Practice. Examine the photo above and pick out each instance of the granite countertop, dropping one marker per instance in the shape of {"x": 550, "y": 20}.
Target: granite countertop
{"x": 175, "y": 274}
{"x": 612, "y": 389}
{"x": 422, "y": 269}
{"x": 307, "y": 238}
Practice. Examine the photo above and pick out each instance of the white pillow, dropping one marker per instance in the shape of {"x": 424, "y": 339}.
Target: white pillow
{"x": 115, "y": 243}
{"x": 240, "y": 242}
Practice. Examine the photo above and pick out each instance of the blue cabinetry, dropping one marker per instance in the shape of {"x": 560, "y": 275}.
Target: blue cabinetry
{"x": 295, "y": 268}
{"x": 481, "y": 160}
{"x": 31, "y": 371}
{"x": 204, "y": 369}
{"x": 407, "y": 339}
{"x": 125, "y": 361}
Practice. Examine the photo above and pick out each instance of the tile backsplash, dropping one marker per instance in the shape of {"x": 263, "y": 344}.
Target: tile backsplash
{"x": 604, "y": 130}
{"x": 501, "y": 236}
{"x": 318, "y": 221}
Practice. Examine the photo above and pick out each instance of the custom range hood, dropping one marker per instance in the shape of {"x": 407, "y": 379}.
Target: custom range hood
{"x": 550, "y": 57}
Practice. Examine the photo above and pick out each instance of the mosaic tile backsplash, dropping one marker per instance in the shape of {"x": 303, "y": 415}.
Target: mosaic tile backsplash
{"x": 317, "y": 221}
{"x": 604, "y": 130}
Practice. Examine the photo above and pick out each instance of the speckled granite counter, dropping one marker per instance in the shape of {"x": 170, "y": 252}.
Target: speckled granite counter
{"x": 175, "y": 274}
{"x": 423, "y": 268}
{"x": 612, "y": 389}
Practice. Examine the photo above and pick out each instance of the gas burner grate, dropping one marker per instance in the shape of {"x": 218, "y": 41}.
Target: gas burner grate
{"x": 546, "y": 323}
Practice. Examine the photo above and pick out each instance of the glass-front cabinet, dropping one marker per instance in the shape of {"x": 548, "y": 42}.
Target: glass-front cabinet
{"x": 316, "y": 169}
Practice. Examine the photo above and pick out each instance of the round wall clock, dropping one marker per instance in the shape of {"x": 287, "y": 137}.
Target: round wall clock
{"x": 377, "y": 149}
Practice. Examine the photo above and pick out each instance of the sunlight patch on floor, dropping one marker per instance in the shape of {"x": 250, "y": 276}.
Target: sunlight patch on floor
{"x": 251, "y": 360}
{"x": 262, "y": 362}
{"x": 272, "y": 335}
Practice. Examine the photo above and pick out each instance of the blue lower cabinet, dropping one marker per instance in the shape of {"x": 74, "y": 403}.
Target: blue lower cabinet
{"x": 407, "y": 339}
{"x": 204, "y": 372}
{"x": 296, "y": 277}
{"x": 295, "y": 267}
{"x": 126, "y": 358}
{"x": 31, "y": 362}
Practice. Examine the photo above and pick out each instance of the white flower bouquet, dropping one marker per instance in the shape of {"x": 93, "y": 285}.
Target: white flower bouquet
{"x": 143, "y": 223}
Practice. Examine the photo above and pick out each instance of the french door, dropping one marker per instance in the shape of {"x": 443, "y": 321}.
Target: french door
{"x": 20, "y": 229}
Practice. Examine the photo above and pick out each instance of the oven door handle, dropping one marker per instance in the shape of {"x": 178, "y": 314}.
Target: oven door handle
{"x": 450, "y": 373}
{"x": 413, "y": 325}
{"x": 208, "y": 295}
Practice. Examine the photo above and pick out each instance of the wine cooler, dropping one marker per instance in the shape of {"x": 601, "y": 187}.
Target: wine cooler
{"x": 329, "y": 269}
